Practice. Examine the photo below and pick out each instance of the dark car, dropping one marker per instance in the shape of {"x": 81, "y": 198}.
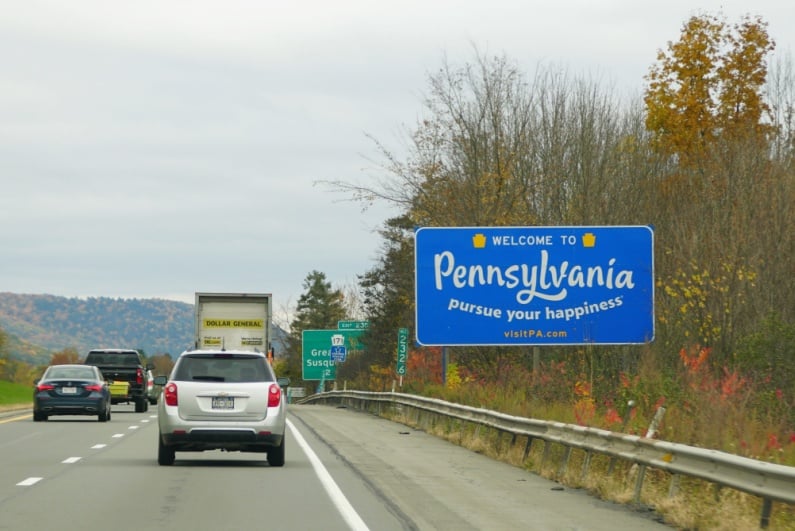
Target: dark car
{"x": 71, "y": 390}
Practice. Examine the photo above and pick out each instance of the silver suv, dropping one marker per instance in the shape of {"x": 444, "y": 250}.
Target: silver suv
{"x": 221, "y": 400}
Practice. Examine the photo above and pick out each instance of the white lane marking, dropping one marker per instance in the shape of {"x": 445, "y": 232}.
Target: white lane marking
{"x": 347, "y": 511}
{"x": 145, "y": 420}
{"x": 71, "y": 460}
{"x": 117, "y": 435}
{"x": 132, "y": 428}
{"x": 28, "y": 482}
{"x": 98, "y": 446}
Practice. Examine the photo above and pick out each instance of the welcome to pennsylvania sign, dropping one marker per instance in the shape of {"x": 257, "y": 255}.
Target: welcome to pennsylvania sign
{"x": 534, "y": 285}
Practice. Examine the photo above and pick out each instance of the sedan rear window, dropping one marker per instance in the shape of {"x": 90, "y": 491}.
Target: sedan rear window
{"x": 86, "y": 373}
{"x": 221, "y": 368}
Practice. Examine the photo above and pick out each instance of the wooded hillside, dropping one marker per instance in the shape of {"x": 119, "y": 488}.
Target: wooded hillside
{"x": 38, "y": 325}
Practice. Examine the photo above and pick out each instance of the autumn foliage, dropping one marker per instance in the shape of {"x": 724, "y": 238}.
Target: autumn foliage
{"x": 707, "y": 86}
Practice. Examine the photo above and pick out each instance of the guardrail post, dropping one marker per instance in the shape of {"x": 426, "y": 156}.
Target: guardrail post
{"x": 547, "y": 447}
{"x": 639, "y": 483}
{"x": 565, "y": 462}
{"x": 500, "y": 433}
{"x": 527, "y": 447}
{"x": 585, "y": 466}
{"x": 674, "y": 487}
{"x": 767, "y": 509}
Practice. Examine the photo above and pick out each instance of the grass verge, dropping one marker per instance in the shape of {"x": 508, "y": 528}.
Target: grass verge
{"x": 15, "y": 396}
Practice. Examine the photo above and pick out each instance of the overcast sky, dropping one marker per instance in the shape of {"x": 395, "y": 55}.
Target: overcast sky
{"x": 160, "y": 147}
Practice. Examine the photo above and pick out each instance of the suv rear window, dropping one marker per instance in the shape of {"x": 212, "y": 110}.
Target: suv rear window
{"x": 222, "y": 368}
{"x": 130, "y": 359}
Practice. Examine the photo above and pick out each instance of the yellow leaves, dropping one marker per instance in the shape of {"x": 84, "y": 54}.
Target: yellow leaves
{"x": 698, "y": 300}
{"x": 453, "y": 376}
{"x": 707, "y": 85}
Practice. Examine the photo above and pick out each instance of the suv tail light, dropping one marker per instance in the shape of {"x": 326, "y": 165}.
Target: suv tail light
{"x": 139, "y": 376}
{"x": 274, "y": 395}
{"x": 170, "y": 394}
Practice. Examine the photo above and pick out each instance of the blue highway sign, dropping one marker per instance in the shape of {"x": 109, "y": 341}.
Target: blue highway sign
{"x": 534, "y": 285}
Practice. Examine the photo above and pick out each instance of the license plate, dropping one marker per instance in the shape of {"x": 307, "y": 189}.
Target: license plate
{"x": 223, "y": 402}
{"x": 69, "y": 390}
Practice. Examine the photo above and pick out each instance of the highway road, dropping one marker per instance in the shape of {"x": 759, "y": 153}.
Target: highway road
{"x": 344, "y": 470}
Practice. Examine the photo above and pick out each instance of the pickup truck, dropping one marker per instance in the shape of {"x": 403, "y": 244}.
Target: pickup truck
{"x": 125, "y": 372}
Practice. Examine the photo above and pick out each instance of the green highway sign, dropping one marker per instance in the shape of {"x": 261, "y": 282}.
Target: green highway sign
{"x": 402, "y": 350}
{"x": 320, "y": 349}
{"x": 353, "y": 325}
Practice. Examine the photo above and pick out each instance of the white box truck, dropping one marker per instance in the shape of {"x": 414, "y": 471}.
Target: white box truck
{"x": 234, "y": 321}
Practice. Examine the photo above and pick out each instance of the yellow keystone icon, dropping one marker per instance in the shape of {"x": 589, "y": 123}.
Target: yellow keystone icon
{"x": 588, "y": 240}
{"x": 479, "y": 241}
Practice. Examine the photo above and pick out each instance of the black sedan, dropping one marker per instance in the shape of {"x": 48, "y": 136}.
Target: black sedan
{"x": 71, "y": 390}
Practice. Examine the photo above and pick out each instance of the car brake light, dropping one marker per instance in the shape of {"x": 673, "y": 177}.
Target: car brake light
{"x": 139, "y": 376}
{"x": 170, "y": 394}
{"x": 94, "y": 387}
{"x": 45, "y": 387}
{"x": 274, "y": 395}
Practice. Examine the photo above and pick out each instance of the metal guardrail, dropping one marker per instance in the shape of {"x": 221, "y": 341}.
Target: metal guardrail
{"x": 770, "y": 481}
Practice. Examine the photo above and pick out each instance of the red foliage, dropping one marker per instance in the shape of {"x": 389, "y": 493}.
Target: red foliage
{"x": 612, "y": 417}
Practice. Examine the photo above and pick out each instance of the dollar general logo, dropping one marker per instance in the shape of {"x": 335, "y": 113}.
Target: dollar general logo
{"x": 233, "y": 323}
{"x": 479, "y": 241}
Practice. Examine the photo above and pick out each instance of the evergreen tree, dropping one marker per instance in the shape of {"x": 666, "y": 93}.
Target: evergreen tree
{"x": 319, "y": 307}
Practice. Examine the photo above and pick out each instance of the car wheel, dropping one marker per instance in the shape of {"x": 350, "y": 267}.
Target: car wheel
{"x": 104, "y": 416}
{"x": 140, "y": 405}
{"x": 276, "y": 455}
{"x": 38, "y": 417}
{"x": 165, "y": 454}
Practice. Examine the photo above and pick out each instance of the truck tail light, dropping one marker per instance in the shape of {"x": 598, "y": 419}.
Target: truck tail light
{"x": 139, "y": 376}
{"x": 170, "y": 394}
{"x": 274, "y": 395}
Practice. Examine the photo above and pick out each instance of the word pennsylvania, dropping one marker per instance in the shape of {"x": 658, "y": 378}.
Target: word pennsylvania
{"x": 542, "y": 280}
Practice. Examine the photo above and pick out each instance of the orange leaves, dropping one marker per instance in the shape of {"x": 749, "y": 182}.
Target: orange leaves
{"x": 725, "y": 386}
{"x": 584, "y": 411}
{"x": 694, "y": 360}
{"x": 731, "y": 384}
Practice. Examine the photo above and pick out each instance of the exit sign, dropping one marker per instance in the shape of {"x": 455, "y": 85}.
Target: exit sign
{"x": 353, "y": 325}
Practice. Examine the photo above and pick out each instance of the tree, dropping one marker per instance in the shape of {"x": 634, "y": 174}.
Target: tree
{"x": 162, "y": 363}
{"x": 320, "y": 307}
{"x": 387, "y": 292}
{"x": 708, "y": 85}
{"x": 66, "y": 356}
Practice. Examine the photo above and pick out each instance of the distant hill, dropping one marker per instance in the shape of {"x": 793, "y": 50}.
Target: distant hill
{"x": 38, "y": 325}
